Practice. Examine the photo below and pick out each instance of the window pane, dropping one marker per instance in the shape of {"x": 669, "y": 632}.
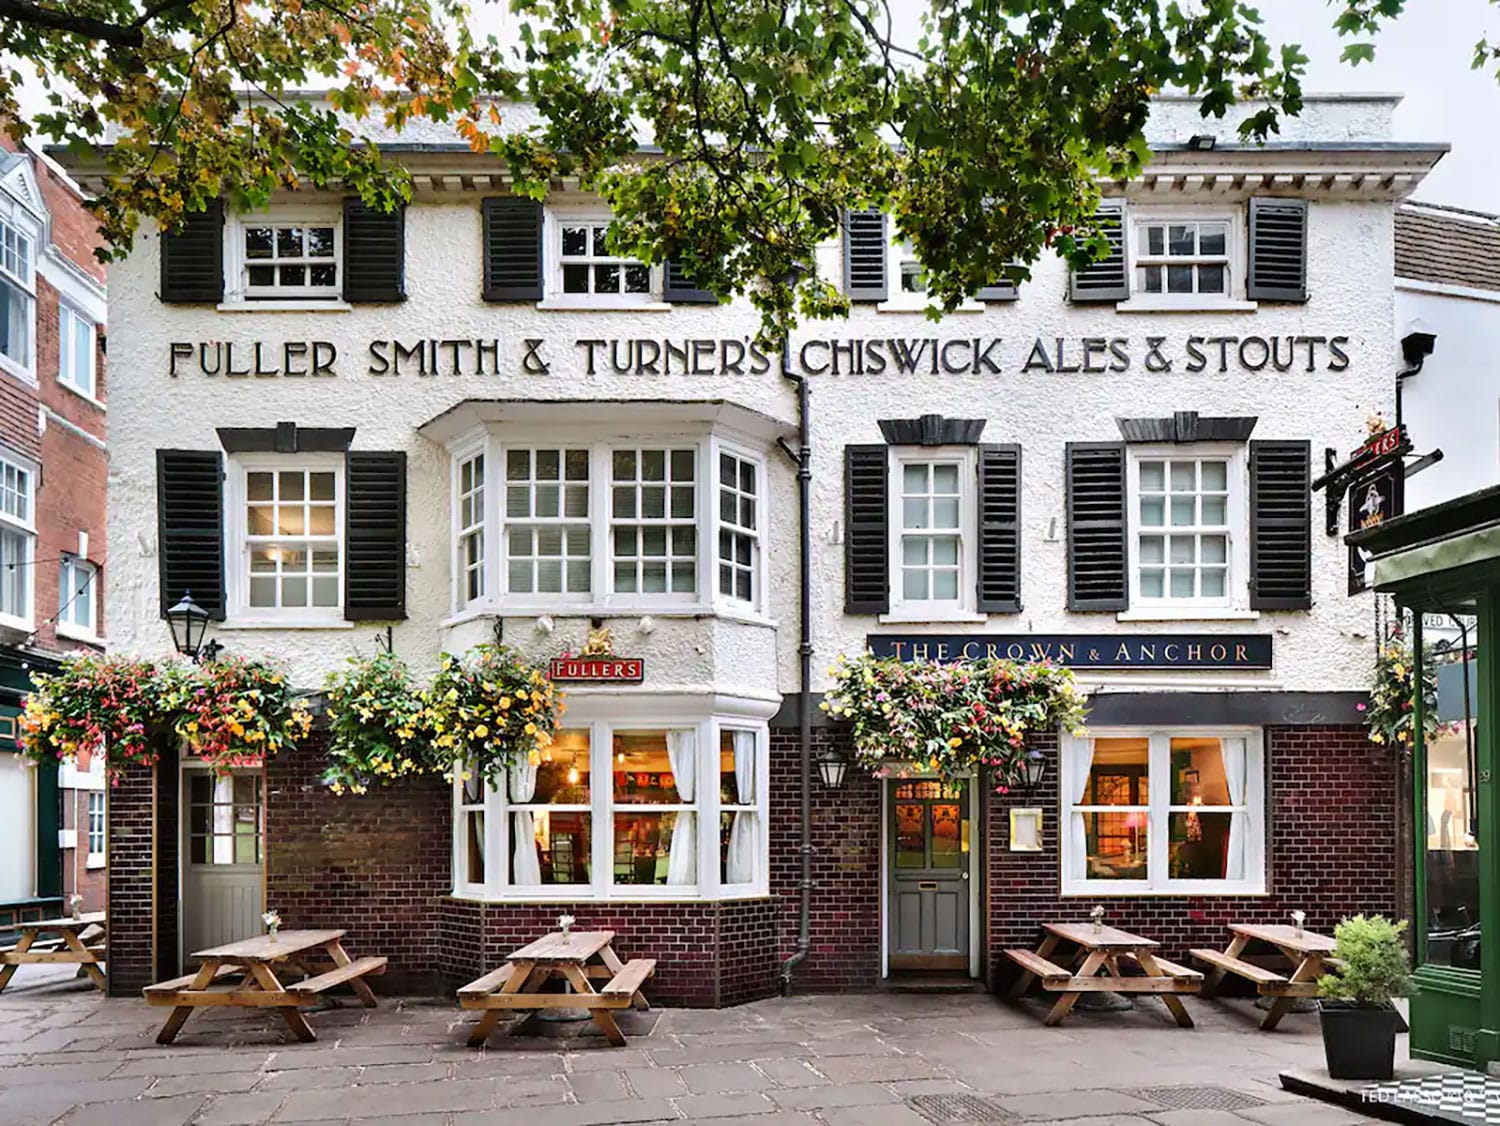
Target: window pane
{"x": 1153, "y": 476}
{"x": 643, "y": 767}
{"x": 1151, "y": 279}
{"x": 575, "y": 279}
{"x": 320, "y": 242}
{"x": 606, "y": 279}
{"x": 1212, "y": 580}
{"x": 474, "y": 846}
{"x": 739, "y": 846}
{"x": 1182, "y": 549}
{"x": 1151, "y": 583}
{"x": 561, "y": 844}
{"x": 637, "y": 279}
{"x": 1155, "y": 240}
{"x": 1118, "y": 774}
{"x": 1199, "y": 774}
{"x": 1211, "y": 238}
{"x": 1117, "y": 846}
{"x": 642, "y": 847}
{"x": 1212, "y": 279}
{"x": 575, "y": 241}
{"x": 1213, "y": 549}
{"x": 600, "y": 239}
{"x": 945, "y": 512}
{"x": 1183, "y": 512}
{"x": 1153, "y": 511}
{"x": 1215, "y": 510}
{"x": 914, "y": 479}
{"x": 289, "y": 242}
{"x": 1184, "y": 476}
{"x": 945, "y": 585}
{"x": 911, "y": 843}
{"x": 257, "y": 242}
{"x": 1180, "y": 240}
{"x": 293, "y": 275}
{"x": 914, "y": 512}
{"x": 258, "y": 486}
{"x": 562, "y": 776}
{"x": 1181, "y": 583}
{"x": 913, "y": 584}
{"x": 1152, "y": 549}
{"x": 320, "y": 486}
{"x": 950, "y": 833}
{"x": 1215, "y": 476}
{"x": 1451, "y": 854}
{"x": 737, "y": 780}
{"x": 1200, "y": 846}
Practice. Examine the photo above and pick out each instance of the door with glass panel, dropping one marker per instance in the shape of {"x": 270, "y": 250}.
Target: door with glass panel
{"x": 223, "y": 870}
{"x": 928, "y": 829}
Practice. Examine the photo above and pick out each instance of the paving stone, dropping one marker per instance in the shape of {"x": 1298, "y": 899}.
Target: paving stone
{"x": 908, "y": 1087}
{"x": 202, "y": 1083}
{"x": 717, "y": 1078}
{"x": 599, "y": 1086}
{"x": 212, "y": 1063}
{"x": 700, "y": 1107}
{"x": 353, "y": 1056}
{"x": 606, "y": 1058}
{"x": 175, "y": 1111}
{"x": 655, "y": 1082}
{"x": 893, "y": 1115}
{"x": 240, "y": 1110}
{"x": 65, "y": 1095}
{"x": 20, "y": 1075}
{"x": 595, "y": 1114}
{"x": 404, "y": 1073}
{"x": 792, "y": 1073}
{"x": 1196, "y": 1118}
{"x": 854, "y": 1069}
{"x": 368, "y": 1102}
{"x": 729, "y": 1053}
{"x": 1096, "y": 1120}
{"x": 1074, "y": 1104}
{"x": 1306, "y": 1113}
{"x": 307, "y": 1078}
{"x": 408, "y": 1120}
{"x": 853, "y": 1094}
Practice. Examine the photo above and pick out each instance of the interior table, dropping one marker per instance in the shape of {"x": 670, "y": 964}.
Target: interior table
{"x": 1099, "y": 954}
{"x": 517, "y": 985}
{"x": 81, "y": 943}
{"x": 244, "y": 974}
{"x": 1309, "y": 954}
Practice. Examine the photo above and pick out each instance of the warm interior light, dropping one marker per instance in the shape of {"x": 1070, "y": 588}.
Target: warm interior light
{"x": 573, "y": 776}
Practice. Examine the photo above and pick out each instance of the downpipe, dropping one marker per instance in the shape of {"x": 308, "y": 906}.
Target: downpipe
{"x": 802, "y": 457}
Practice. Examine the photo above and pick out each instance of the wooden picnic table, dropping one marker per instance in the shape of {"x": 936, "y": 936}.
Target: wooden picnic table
{"x": 1308, "y": 953}
{"x": 1098, "y": 969}
{"x": 244, "y": 973}
{"x": 81, "y": 943}
{"x": 517, "y": 985}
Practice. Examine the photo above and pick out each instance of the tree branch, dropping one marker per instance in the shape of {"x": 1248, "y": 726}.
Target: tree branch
{"x": 86, "y": 27}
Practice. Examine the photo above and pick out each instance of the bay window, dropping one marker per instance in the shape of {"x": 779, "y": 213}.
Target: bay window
{"x": 469, "y": 521}
{"x": 1163, "y": 811}
{"x": 621, "y": 809}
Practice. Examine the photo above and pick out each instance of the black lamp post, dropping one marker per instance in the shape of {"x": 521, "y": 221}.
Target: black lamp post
{"x": 832, "y": 766}
{"x": 1033, "y": 772}
{"x": 189, "y": 622}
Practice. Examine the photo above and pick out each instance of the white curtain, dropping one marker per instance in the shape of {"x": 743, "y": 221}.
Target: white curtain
{"x": 740, "y": 866}
{"x": 682, "y": 861}
{"x": 1081, "y": 755}
{"x": 1239, "y": 823}
{"x": 528, "y": 866}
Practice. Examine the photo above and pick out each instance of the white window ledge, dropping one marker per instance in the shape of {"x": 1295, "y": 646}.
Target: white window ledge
{"x": 73, "y": 633}
{"x": 284, "y": 306}
{"x": 582, "y": 895}
{"x": 282, "y": 623}
{"x": 586, "y": 610}
{"x": 562, "y": 305}
{"x": 1104, "y": 889}
{"x": 84, "y": 395}
{"x": 96, "y": 860}
{"x": 934, "y": 617}
{"x": 1187, "y": 614}
{"x": 1184, "y": 304}
{"x": 11, "y": 368}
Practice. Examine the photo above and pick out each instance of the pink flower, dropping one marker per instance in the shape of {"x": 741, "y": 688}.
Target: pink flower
{"x": 1360, "y": 707}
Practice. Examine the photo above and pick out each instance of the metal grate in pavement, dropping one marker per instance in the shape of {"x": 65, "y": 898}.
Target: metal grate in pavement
{"x": 944, "y": 1109}
{"x": 1197, "y": 1098}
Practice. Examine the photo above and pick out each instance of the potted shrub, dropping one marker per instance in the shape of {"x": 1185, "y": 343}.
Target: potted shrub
{"x": 1359, "y": 1021}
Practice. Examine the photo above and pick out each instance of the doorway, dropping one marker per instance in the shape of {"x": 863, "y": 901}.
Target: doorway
{"x": 223, "y": 849}
{"x": 930, "y": 888}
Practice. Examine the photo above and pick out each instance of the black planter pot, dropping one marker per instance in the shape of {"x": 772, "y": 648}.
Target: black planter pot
{"x": 1360, "y": 1043}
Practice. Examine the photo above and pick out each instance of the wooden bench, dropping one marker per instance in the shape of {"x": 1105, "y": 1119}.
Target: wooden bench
{"x": 1051, "y": 975}
{"x": 484, "y": 986}
{"x": 1239, "y": 967}
{"x": 357, "y": 968}
{"x": 628, "y": 980}
{"x": 1182, "y": 973}
{"x": 178, "y": 984}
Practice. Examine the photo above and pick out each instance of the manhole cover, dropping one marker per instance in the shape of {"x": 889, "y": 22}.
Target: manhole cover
{"x": 1197, "y": 1098}
{"x": 956, "y": 1108}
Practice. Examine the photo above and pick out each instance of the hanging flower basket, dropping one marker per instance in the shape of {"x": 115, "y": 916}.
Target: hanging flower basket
{"x": 378, "y": 725}
{"x": 488, "y": 708}
{"x": 1390, "y": 715}
{"x": 951, "y": 719}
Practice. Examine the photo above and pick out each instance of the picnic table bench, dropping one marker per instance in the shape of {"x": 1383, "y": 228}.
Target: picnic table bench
{"x": 79, "y": 941}
{"x": 1309, "y": 954}
{"x": 244, "y": 974}
{"x": 517, "y": 985}
{"x": 1099, "y": 969}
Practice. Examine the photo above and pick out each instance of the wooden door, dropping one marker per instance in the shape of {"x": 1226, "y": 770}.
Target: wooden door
{"x": 223, "y": 850}
{"x": 928, "y": 834}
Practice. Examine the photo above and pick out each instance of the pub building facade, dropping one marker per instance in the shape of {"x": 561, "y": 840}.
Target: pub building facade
{"x": 469, "y": 421}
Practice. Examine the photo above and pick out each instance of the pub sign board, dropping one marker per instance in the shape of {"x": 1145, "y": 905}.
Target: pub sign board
{"x": 1373, "y": 500}
{"x": 606, "y": 670}
{"x": 1085, "y": 650}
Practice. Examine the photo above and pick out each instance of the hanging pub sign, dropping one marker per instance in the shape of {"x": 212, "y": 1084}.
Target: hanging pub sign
{"x": 1085, "y": 650}
{"x": 605, "y": 670}
{"x": 1372, "y": 500}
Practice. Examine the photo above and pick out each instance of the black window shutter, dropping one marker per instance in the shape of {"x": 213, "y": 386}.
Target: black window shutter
{"x": 865, "y": 244}
{"x": 1107, "y": 279}
{"x": 680, "y": 289}
{"x": 375, "y": 536}
{"x": 190, "y": 528}
{"x": 1278, "y": 250}
{"x": 1096, "y": 526}
{"x": 192, "y": 259}
{"x": 374, "y": 253}
{"x": 1280, "y": 526}
{"x": 512, "y": 249}
{"x": 1000, "y": 529}
{"x": 867, "y": 549}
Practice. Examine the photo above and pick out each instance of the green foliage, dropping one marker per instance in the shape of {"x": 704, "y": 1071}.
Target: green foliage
{"x": 1391, "y": 715}
{"x": 1375, "y": 967}
{"x": 985, "y": 138}
{"x": 951, "y": 718}
{"x": 377, "y": 723}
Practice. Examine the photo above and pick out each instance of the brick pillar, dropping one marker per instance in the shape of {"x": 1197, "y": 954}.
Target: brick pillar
{"x": 132, "y": 873}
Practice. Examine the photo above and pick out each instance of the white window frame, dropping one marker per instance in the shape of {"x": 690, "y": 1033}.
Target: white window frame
{"x": 756, "y": 533}
{"x": 67, "y": 317}
{"x": 462, "y": 455}
{"x": 25, "y": 529}
{"x": 555, "y": 218}
{"x": 962, "y": 608}
{"x": 603, "y": 716}
{"x": 1159, "y": 810}
{"x": 1236, "y": 584}
{"x": 1235, "y": 258}
{"x": 237, "y": 546}
{"x": 96, "y": 858}
{"x": 67, "y": 623}
{"x": 237, "y": 289}
{"x": 18, "y": 225}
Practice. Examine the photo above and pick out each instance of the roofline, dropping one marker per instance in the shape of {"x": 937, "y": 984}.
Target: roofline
{"x": 1449, "y": 209}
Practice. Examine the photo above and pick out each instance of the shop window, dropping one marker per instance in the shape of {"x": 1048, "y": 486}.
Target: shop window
{"x": 290, "y": 516}
{"x": 17, "y": 300}
{"x": 1187, "y": 540}
{"x": 470, "y": 525}
{"x": 620, "y": 811}
{"x": 1163, "y": 812}
{"x": 290, "y": 254}
{"x": 587, "y": 273}
{"x": 17, "y": 543}
{"x": 75, "y": 350}
{"x": 933, "y": 535}
{"x": 1450, "y": 807}
{"x": 96, "y": 858}
{"x": 77, "y": 595}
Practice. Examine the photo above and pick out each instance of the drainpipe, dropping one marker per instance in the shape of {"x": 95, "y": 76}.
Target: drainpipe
{"x": 803, "y": 459}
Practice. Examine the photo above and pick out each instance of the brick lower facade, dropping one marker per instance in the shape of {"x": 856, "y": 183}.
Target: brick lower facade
{"x": 379, "y": 866}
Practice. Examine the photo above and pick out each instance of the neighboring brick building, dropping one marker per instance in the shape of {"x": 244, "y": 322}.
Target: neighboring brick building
{"x": 468, "y": 419}
{"x": 52, "y": 527}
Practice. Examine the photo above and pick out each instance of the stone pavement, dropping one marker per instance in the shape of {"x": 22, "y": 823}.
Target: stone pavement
{"x": 69, "y": 1056}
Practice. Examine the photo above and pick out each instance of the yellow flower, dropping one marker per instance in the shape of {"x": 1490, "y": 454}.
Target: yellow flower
{"x": 954, "y": 742}
{"x": 531, "y": 729}
{"x": 481, "y": 731}
{"x": 505, "y": 702}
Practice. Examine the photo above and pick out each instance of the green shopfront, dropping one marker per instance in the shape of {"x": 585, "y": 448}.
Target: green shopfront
{"x": 1443, "y": 565}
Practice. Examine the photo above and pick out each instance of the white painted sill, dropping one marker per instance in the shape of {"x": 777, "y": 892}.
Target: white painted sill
{"x": 1195, "y": 890}
{"x": 16, "y": 371}
{"x": 931, "y": 617}
{"x": 96, "y": 860}
{"x": 1187, "y": 614}
{"x": 576, "y": 894}
{"x": 84, "y": 395}
{"x": 1166, "y": 305}
{"x": 250, "y": 624}
{"x": 73, "y": 633}
{"x": 585, "y": 610}
{"x": 284, "y": 307}
{"x": 560, "y": 305}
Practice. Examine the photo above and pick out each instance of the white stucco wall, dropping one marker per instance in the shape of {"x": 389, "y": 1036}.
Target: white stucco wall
{"x": 1324, "y": 649}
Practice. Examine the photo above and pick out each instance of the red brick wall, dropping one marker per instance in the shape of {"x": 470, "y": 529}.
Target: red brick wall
{"x": 77, "y": 876}
{"x": 132, "y": 909}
